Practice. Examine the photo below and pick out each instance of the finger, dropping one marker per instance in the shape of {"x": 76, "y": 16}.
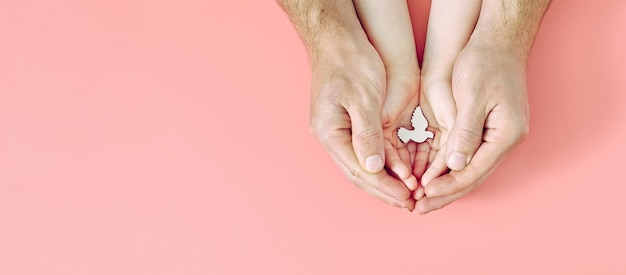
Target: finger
{"x": 434, "y": 145}
{"x": 466, "y": 135}
{"x": 418, "y": 194}
{"x": 421, "y": 160}
{"x": 450, "y": 25}
{"x": 405, "y": 156}
{"x": 412, "y": 148}
{"x": 367, "y": 135}
{"x": 437, "y": 168}
{"x": 339, "y": 145}
{"x": 440, "y": 96}
{"x": 398, "y": 166}
{"x": 408, "y": 203}
{"x": 487, "y": 158}
{"x": 428, "y": 204}
{"x": 394, "y": 162}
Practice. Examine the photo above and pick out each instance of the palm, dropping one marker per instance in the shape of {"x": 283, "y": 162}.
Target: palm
{"x": 400, "y": 102}
{"x": 439, "y": 109}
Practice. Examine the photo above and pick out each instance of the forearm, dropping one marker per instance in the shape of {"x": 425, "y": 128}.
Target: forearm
{"x": 511, "y": 24}
{"x": 323, "y": 23}
{"x": 450, "y": 24}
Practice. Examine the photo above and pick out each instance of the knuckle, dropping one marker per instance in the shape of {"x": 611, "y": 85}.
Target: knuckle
{"x": 519, "y": 133}
{"x": 469, "y": 135}
{"x": 474, "y": 175}
{"x": 352, "y": 92}
{"x": 354, "y": 176}
{"x": 369, "y": 137}
{"x": 372, "y": 87}
{"x": 318, "y": 132}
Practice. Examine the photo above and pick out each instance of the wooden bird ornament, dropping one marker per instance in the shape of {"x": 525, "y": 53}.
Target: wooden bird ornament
{"x": 419, "y": 133}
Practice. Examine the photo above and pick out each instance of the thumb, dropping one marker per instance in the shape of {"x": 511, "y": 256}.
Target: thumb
{"x": 367, "y": 137}
{"x": 465, "y": 137}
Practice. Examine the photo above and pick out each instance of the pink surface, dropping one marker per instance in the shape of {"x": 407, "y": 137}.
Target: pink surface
{"x": 171, "y": 137}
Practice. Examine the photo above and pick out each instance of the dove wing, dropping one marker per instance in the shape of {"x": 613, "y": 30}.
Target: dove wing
{"x": 418, "y": 121}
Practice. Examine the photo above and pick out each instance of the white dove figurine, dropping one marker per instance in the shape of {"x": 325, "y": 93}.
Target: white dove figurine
{"x": 419, "y": 133}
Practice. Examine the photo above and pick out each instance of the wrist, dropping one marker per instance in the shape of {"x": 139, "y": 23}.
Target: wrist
{"x": 337, "y": 42}
{"x": 509, "y": 25}
{"x": 341, "y": 49}
{"x": 324, "y": 25}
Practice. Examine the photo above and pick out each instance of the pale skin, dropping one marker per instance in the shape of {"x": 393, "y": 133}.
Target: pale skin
{"x": 361, "y": 92}
{"x": 388, "y": 27}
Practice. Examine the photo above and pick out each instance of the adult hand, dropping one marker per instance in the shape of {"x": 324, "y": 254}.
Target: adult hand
{"x": 348, "y": 90}
{"x": 489, "y": 88}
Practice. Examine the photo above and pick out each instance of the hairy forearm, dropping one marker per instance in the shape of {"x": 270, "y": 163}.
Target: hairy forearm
{"x": 511, "y": 24}
{"x": 321, "y": 23}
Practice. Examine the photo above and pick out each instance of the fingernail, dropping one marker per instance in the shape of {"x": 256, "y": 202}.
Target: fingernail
{"x": 374, "y": 163}
{"x": 424, "y": 182}
{"x": 456, "y": 161}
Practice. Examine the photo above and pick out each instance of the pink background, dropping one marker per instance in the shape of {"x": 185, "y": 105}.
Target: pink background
{"x": 171, "y": 137}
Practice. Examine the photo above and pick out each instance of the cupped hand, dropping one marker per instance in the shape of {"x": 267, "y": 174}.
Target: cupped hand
{"x": 405, "y": 161}
{"x": 439, "y": 108}
{"x": 389, "y": 29}
{"x": 348, "y": 91}
{"x": 492, "y": 114}
{"x": 450, "y": 25}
